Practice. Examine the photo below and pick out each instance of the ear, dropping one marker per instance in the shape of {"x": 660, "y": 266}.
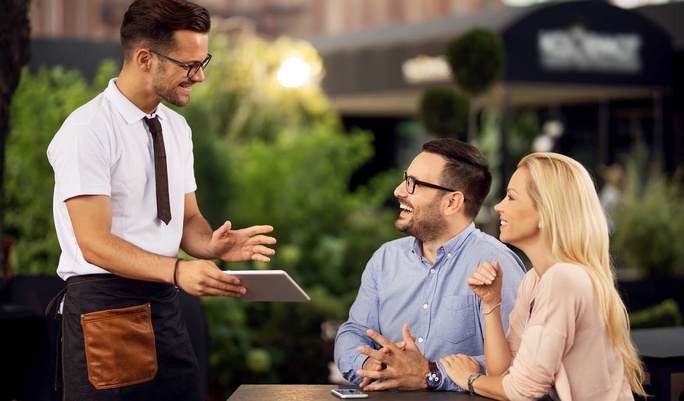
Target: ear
{"x": 540, "y": 225}
{"x": 143, "y": 60}
{"x": 455, "y": 203}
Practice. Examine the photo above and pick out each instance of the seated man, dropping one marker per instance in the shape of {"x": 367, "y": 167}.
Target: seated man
{"x": 419, "y": 282}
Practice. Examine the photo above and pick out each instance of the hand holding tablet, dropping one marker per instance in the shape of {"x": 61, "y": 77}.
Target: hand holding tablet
{"x": 269, "y": 286}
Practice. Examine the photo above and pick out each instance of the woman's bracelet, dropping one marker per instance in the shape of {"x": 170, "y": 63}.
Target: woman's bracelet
{"x": 175, "y": 274}
{"x": 493, "y": 307}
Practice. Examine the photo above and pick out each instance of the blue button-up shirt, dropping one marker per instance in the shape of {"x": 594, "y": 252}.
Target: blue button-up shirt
{"x": 400, "y": 286}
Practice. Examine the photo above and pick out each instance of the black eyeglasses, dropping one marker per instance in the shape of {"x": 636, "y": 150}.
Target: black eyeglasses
{"x": 411, "y": 183}
{"x": 192, "y": 68}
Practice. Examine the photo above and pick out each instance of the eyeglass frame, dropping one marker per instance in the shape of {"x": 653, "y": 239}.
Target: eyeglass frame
{"x": 423, "y": 183}
{"x": 197, "y": 66}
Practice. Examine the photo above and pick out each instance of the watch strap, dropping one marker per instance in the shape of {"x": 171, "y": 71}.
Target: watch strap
{"x": 471, "y": 379}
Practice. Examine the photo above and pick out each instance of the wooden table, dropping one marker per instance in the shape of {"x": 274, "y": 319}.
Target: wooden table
{"x": 662, "y": 350}
{"x": 321, "y": 392}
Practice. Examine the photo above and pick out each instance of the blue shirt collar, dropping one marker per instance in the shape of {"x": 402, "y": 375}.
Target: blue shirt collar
{"x": 451, "y": 246}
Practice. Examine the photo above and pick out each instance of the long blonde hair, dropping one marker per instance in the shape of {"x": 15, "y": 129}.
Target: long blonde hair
{"x": 576, "y": 231}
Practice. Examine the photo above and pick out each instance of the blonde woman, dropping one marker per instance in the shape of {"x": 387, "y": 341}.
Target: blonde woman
{"x": 569, "y": 332}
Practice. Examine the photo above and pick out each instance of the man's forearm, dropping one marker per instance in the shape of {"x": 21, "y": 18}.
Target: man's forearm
{"x": 197, "y": 238}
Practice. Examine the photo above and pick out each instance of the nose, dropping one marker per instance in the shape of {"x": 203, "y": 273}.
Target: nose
{"x": 498, "y": 208}
{"x": 199, "y": 76}
{"x": 400, "y": 190}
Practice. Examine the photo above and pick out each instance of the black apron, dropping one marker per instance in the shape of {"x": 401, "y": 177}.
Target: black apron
{"x": 138, "y": 347}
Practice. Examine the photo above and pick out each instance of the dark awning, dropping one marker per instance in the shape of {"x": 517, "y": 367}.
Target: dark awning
{"x": 557, "y": 53}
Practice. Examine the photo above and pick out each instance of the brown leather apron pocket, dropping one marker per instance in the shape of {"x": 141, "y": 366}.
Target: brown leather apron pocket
{"x": 119, "y": 346}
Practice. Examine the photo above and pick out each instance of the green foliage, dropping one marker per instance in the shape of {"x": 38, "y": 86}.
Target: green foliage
{"x": 648, "y": 221}
{"x": 665, "y": 314}
{"x": 299, "y": 184}
{"x": 40, "y": 105}
{"x": 477, "y": 60}
{"x": 243, "y": 97}
{"x": 444, "y": 113}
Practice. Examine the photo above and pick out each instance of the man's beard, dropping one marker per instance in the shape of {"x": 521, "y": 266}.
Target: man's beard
{"x": 167, "y": 94}
{"x": 427, "y": 225}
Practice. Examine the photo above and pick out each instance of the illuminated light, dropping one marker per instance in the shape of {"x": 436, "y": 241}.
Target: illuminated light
{"x": 426, "y": 69}
{"x": 294, "y": 72}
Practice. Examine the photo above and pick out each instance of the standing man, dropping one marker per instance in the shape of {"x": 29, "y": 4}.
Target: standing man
{"x": 420, "y": 281}
{"x": 124, "y": 203}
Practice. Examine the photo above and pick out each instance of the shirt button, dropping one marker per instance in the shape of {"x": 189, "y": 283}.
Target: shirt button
{"x": 432, "y": 271}
{"x": 448, "y": 256}
{"x": 425, "y": 306}
{"x": 420, "y": 340}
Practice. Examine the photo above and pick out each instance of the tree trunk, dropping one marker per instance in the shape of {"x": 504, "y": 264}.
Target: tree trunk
{"x": 14, "y": 42}
{"x": 472, "y": 119}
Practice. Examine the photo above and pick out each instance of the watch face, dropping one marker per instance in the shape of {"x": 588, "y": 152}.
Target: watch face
{"x": 433, "y": 378}
{"x": 471, "y": 379}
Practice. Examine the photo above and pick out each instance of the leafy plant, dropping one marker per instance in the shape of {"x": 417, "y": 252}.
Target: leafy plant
{"x": 477, "y": 60}
{"x": 664, "y": 314}
{"x": 444, "y": 113}
{"x": 41, "y": 103}
{"x": 649, "y": 217}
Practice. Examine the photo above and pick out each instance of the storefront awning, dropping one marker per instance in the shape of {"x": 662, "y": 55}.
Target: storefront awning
{"x": 559, "y": 53}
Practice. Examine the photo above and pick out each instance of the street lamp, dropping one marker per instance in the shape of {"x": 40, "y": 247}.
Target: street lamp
{"x": 294, "y": 72}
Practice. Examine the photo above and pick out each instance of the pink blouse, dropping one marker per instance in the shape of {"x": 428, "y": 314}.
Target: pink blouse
{"x": 557, "y": 338}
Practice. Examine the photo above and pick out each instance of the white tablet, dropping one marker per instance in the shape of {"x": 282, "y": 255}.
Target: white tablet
{"x": 269, "y": 286}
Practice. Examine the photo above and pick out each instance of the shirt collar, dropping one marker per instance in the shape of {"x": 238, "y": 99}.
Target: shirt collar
{"x": 451, "y": 246}
{"x": 130, "y": 112}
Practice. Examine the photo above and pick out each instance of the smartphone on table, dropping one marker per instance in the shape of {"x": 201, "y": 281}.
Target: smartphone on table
{"x": 348, "y": 393}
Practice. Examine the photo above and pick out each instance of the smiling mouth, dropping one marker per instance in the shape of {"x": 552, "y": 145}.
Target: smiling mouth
{"x": 503, "y": 223}
{"x": 405, "y": 209}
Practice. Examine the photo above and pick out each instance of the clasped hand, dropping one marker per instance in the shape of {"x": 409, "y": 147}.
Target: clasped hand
{"x": 398, "y": 365}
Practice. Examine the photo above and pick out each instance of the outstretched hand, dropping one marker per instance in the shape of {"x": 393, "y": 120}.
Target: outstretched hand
{"x": 404, "y": 368}
{"x": 244, "y": 244}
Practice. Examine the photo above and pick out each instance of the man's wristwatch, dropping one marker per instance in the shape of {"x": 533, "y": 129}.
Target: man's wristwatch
{"x": 433, "y": 378}
{"x": 471, "y": 379}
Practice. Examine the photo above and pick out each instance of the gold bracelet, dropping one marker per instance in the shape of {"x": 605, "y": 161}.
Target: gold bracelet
{"x": 493, "y": 307}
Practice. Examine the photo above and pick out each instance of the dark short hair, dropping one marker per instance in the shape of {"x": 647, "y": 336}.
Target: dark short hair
{"x": 466, "y": 170}
{"x": 152, "y": 23}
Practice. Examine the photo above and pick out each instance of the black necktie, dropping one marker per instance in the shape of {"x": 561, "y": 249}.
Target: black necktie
{"x": 160, "y": 176}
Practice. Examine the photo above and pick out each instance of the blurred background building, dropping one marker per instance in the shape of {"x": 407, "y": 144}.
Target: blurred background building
{"x": 605, "y": 76}
{"x": 100, "y": 19}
